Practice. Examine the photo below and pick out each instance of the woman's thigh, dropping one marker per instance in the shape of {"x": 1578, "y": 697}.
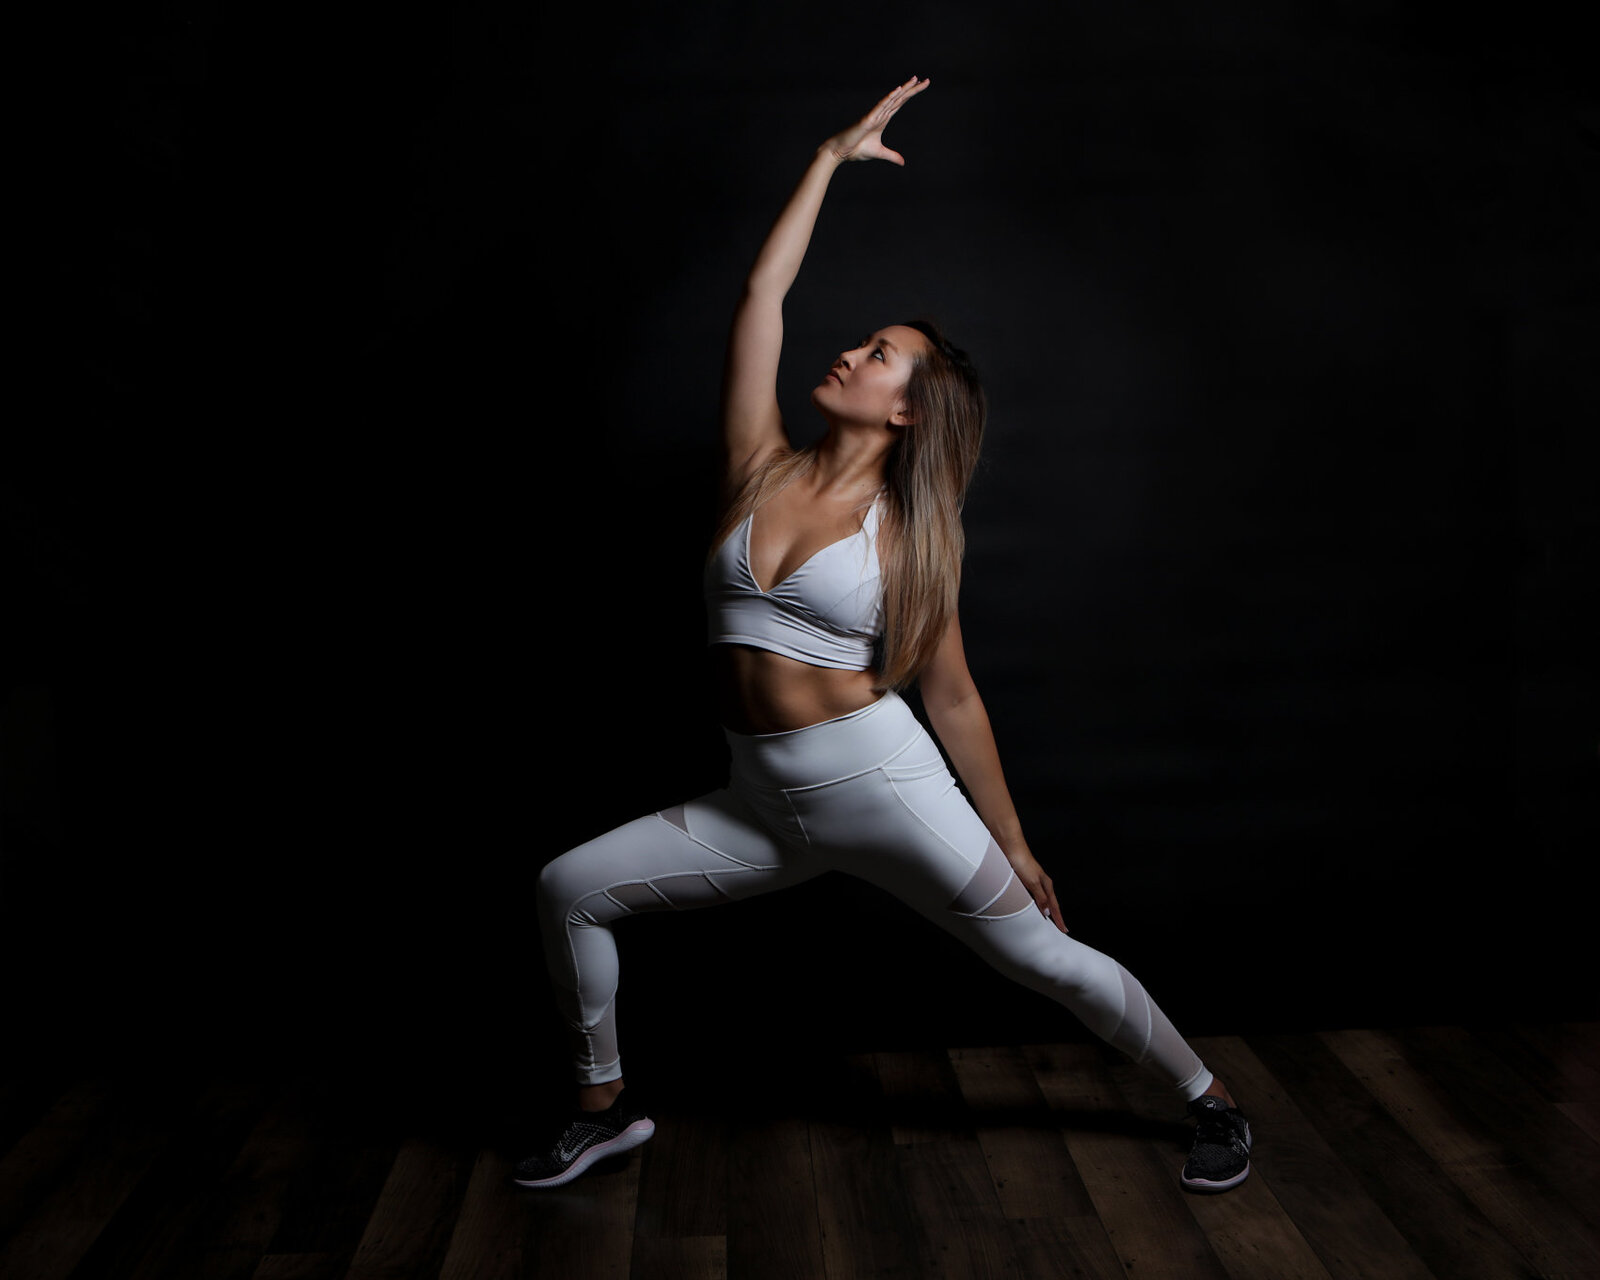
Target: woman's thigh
{"x": 709, "y": 850}
{"x": 906, "y": 827}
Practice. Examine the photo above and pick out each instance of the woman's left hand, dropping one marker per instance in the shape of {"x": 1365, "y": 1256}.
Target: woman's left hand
{"x": 1037, "y": 884}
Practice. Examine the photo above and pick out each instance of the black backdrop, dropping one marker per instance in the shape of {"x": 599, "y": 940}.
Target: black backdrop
{"x": 354, "y": 540}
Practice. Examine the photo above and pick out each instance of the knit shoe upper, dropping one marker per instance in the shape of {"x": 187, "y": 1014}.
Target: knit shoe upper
{"x": 1220, "y": 1157}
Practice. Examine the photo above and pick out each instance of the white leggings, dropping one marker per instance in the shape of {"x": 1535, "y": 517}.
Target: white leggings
{"x": 868, "y": 794}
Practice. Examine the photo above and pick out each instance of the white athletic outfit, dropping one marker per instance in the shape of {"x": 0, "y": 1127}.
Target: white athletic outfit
{"x": 867, "y": 793}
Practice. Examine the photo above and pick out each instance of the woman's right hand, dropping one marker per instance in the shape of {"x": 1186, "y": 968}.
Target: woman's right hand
{"x": 864, "y": 139}
{"x": 752, "y": 424}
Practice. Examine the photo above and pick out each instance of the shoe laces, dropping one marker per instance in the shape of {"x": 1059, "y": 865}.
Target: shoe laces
{"x": 559, "y": 1131}
{"x": 1220, "y": 1127}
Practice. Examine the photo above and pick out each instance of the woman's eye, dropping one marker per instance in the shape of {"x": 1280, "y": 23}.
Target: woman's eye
{"x": 878, "y": 354}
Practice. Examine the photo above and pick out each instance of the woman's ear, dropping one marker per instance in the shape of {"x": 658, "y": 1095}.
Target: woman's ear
{"x": 901, "y": 417}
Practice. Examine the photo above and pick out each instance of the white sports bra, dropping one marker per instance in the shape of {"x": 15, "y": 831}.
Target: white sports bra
{"x": 827, "y": 613}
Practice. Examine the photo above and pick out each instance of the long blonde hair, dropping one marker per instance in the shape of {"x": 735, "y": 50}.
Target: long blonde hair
{"x": 920, "y": 539}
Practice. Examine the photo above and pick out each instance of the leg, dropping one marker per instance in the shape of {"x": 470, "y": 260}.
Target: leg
{"x": 906, "y": 827}
{"x": 1109, "y": 1000}
{"x": 708, "y": 851}
{"x": 995, "y": 916}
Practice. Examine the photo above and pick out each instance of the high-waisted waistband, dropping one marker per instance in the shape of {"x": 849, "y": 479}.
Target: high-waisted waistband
{"x": 826, "y": 752}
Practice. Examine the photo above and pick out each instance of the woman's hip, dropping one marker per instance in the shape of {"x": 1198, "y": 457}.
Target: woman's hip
{"x": 874, "y": 737}
{"x": 870, "y": 794}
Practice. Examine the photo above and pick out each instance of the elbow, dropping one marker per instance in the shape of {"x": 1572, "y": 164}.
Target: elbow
{"x": 943, "y": 698}
{"x": 763, "y": 288}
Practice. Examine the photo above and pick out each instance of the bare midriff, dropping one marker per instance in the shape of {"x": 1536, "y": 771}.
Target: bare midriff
{"x": 762, "y": 692}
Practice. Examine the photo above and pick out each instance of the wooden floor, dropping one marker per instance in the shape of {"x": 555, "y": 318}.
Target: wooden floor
{"x": 1438, "y": 1152}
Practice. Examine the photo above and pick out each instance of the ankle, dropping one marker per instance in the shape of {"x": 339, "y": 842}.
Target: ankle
{"x": 598, "y": 1097}
{"x": 1219, "y": 1090}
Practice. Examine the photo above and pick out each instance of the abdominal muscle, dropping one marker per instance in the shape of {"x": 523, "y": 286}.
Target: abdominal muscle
{"x": 762, "y": 692}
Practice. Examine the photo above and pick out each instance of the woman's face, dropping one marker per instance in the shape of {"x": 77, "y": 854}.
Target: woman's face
{"x": 867, "y": 383}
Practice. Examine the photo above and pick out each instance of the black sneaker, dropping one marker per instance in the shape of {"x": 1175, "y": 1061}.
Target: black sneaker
{"x": 588, "y": 1137}
{"x": 1220, "y": 1157}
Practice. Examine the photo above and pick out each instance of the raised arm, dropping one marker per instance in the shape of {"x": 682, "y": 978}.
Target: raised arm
{"x": 958, "y": 716}
{"x": 752, "y": 426}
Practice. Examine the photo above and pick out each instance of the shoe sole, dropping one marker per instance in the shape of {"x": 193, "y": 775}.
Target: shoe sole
{"x": 1201, "y": 1187}
{"x": 635, "y": 1135}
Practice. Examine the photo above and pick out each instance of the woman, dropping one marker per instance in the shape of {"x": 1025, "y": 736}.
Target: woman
{"x": 858, "y": 540}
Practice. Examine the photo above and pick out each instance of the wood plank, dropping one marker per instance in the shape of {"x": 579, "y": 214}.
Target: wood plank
{"x": 681, "y": 1190}
{"x": 683, "y": 1258}
{"x": 1050, "y": 1247}
{"x": 410, "y": 1226}
{"x": 922, "y": 1096}
{"x": 153, "y": 1232}
{"x": 773, "y": 1228}
{"x": 1126, "y": 1164}
{"x": 585, "y": 1229}
{"x": 42, "y": 1156}
{"x": 866, "y": 1218}
{"x": 1491, "y": 1174}
{"x": 61, "y": 1228}
{"x": 300, "y": 1266}
{"x": 863, "y": 1210}
{"x": 240, "y": 1222}
{"x": 960, "y": 1230}
{"x": 1584, "y": 1115}
{"x": 492, "y": 1227}
{"x": 1550, "y": 1058}
{"x": 1054, "y": 1228}
{"x": 1562, "y": 1162}
{"x": 1033, "y": 1175}
{"x": 1583, "y": 1042}
{"x": 1435, "y": 1218}
{"x": 329, "y": 1198}
{"x": 685, "y": 1171}
{"x": 1554, "y": 1057}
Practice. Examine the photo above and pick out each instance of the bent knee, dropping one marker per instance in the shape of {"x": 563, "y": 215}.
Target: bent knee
{"x": 559, "y": 887}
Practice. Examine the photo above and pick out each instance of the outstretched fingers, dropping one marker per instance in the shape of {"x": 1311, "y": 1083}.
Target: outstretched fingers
{"x": 864, "y": 140}
{"x": 885, "y": 110}
{"x": 898, "y": 97}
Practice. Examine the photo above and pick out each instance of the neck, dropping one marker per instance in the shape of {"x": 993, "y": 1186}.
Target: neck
{"x": 851, "y": 460}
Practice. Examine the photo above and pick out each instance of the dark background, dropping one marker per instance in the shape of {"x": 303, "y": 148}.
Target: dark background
{"x": 355, "y": 517}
